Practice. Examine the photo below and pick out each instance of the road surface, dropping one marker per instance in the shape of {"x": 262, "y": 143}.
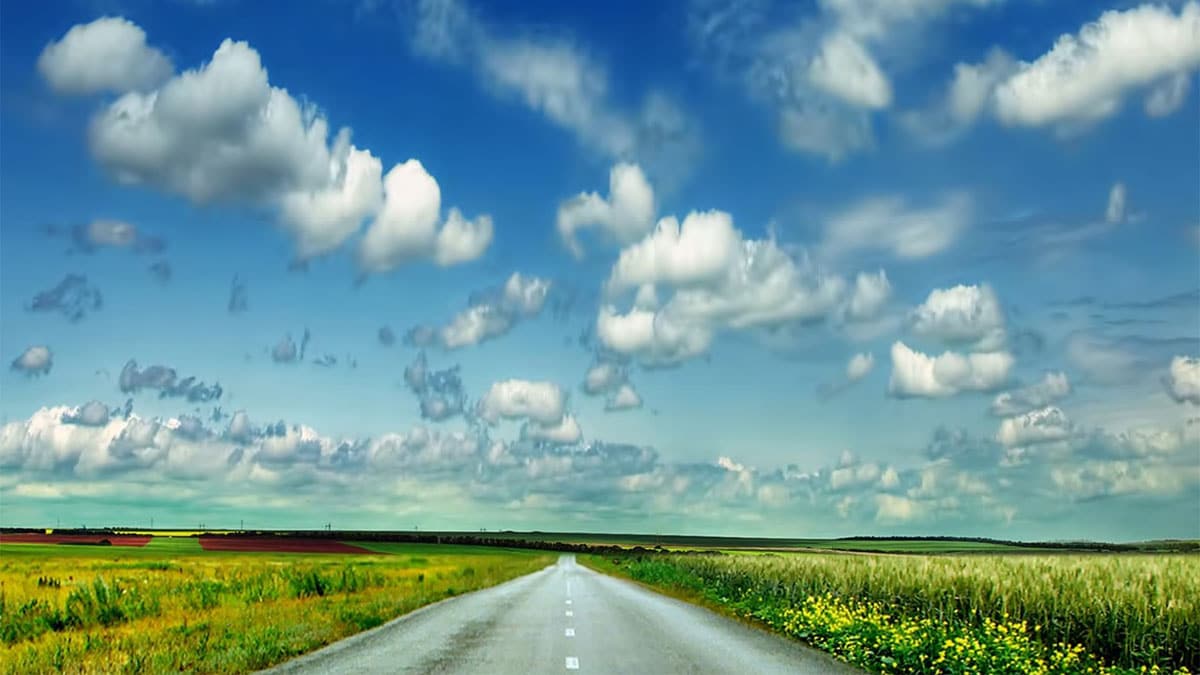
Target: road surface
{"x": 564, "y": 618}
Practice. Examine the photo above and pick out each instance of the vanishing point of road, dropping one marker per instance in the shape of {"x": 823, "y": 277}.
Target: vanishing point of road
{"x": 565, "y": 618}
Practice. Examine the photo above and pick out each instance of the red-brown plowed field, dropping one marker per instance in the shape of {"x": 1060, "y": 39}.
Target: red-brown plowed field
{"x": 278, "y": 545}
{"x": 37, "y": 538}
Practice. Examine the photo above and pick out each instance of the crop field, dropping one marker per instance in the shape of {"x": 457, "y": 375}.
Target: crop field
{"x": 175, "y": 604}
{"x": 955, "y": 614}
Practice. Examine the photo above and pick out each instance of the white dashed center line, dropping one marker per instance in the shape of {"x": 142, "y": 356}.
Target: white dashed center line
{"x": 570, "y": 632}
{"x": 570, "y": 613}
{"x": 568, "y": 602}
{"x": 568, "y": 587}
{"x": 572, "y": 663}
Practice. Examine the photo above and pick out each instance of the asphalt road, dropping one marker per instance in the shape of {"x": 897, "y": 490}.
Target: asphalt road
{"x": 564, "y": 618}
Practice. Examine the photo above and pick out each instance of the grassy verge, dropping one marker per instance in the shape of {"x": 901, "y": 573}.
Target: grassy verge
{"x": 178, "y": 609}
{"x": 968, "y": 614}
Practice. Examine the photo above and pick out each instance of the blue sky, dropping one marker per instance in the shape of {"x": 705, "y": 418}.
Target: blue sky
{"x": 727, "y": 267}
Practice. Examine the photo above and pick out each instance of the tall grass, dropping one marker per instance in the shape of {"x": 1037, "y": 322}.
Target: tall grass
{"x": 1127, "y": 610}
{"x": 226, "y": 613}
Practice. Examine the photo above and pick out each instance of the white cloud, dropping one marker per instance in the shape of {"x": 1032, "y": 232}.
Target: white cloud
{"x": 825, "y": 130}
{"x": 565, "y": 431}
{"x": 844, "y": 69}
{"x": 601, "y": 377}
{"x": 962, "y": 315}
{"x": 893, "y": 508}
{"x": 919, "y": 375}
{"x": 222, "y": 133}
{"x": 407, "y": 227}
{"x": 320, "y": 219}
{"x": 541, "y": 402}
{"x": 891, "y": 225}
{"x": 860, "y": 366}
{"x": 35, "y": 360}
{"x": 871, "y": 293}
{"x": 1036, "y": 426}
{"x": 1085, "y": 77}
{"x": 717, "y": 280}
{"x": 556, "y": 78}
{"x": 1115, "y": 213}
{"x": 491, "y": 315}
{"x": 108, "y": 54}
{"x": 525, "y": 295}
{"x": 656, "y": 339}
{"x": 1167, "y": 96}
{"x": 624, "y": 398}
{"x": 698, "y": 250}
{"x": 627, "y": 215}
{"x": 460, "y": 240}
{"x": 216, "y": 133}
{"x": 1183, "y": 380}
{"x": 818, "y": 74}
{"x": 1051, "y": 388}
{"x": 968, "y": 96}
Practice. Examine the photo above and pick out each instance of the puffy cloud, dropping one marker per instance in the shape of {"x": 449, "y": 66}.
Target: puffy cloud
{"x": 844, "y": 69}
{"x": 719, "y": 280}
{"x": 90, "y": 414}
{"x": 219, "y": 132}
{"x": 696, "y": 251}
{"x": 565, "y": 431}
{"x": 626, "y": 215}
{"x": 602, "y": 377}
{"x": 541, "y": 402}
{"x": 35, "y": 360}
{"x": 1037, "y": 426}
{"x": 407, "y": 226}
{"x": 891, "y": 225}
{"x": 73, "y": 297}
{"x": 625, "y": 397}
{"x": 460, "y": 240}
{"x": 655, "y": 338}
{"x": 1084, "y": 77}
{"x": 321, "y": 217}
{"x": 860, "y": 366}
{"x": 284, "y": 466}
{"x": 490, "y": 314}
{"x": 167, "y": 382}
{"x": 108, "y": 54}
{"x": 871, "y": 293}
{"x": 894, "y": 508}
{"x": 920, "y": 375}
{"x": 1183, "y": 380}
{"x": 1051, "y": 388}
{"x": 962, "y": 315}
{"x": 223, "y": 133}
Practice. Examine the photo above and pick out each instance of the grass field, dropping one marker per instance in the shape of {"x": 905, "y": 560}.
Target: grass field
{"x": 955, "y": 614}
{"x": 170, "y": 606}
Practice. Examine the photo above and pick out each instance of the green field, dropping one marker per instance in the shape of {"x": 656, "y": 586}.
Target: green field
{"x": 955, "y": 614}
{"x": 170, "y": 606}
